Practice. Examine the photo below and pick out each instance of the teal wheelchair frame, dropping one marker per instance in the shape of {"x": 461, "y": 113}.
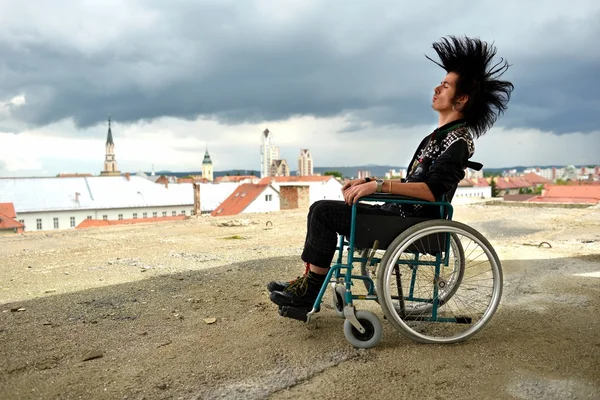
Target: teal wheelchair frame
{"x": 412, "y": 246}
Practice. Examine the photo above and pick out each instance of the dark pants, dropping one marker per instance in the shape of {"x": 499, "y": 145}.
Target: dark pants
{"x": 326, "y": 219}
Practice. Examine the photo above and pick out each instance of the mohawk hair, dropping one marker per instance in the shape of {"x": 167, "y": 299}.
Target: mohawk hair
{"x": 471, "y": 59}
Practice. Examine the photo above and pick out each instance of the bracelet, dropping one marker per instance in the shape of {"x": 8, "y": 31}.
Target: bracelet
{"x": 391, "y": 182}
{"x": 367, "y": 179}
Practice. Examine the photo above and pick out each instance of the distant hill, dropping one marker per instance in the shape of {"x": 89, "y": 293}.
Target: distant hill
{"x": 231, "y": 172}
{"x": 348, "y": 172}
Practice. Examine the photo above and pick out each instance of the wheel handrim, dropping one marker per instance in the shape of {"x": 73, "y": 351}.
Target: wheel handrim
{"x": 386, "y": 295}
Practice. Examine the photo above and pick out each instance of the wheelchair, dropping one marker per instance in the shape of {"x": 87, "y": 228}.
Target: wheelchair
{"x": 436, "y": 280}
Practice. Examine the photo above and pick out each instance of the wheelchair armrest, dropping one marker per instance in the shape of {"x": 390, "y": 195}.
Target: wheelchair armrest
{"x": 388, "y": 197}
{"x": 446, "y": 209}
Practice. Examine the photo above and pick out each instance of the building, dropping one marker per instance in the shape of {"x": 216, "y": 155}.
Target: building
{"x": 110, "y": 163}
{"x": 303, "y": 191}
{"x": 238, "y": 178}
{"x": 581, "y": 194}
{"x": 279, "y": 168}
{"x": 392, "y": 173}
{"x": 8, "y": 219}
{"x": 473, "y": 188}
{"x": 268, "y": 153}
{"x": 305, "y": 163}
{"x": 473, "y": 174}
{"x": 207, "y": 167}
{"x": 363, "y": 174}
{"x": 42, "y": 204}
{"x": 249, "y": 198}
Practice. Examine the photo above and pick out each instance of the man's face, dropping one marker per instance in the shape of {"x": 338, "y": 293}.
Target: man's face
{"x": 444, "y": 93}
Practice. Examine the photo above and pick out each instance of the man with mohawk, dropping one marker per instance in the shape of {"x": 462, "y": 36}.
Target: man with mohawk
{"x": 468, "y": 100}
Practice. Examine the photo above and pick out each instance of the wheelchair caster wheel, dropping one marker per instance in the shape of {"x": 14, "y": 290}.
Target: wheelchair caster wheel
{"x": 338, "y": 300}
{"x": 373, "y": 330}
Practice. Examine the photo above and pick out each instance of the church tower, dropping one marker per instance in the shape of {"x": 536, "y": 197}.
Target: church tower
{"x": 110, "y": 164}
{"x": 207, "y": 167}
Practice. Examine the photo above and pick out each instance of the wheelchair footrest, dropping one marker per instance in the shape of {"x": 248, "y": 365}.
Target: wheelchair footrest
{"x": 294, "y": 313}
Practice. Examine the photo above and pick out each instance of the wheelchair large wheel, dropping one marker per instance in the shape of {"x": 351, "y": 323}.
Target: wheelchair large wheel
{"x": 448, "y": 281}
{"x": 420, "y": 301}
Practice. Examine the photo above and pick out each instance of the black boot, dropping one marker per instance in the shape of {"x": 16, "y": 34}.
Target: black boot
{"x": 280, "y": 286}
{"x": 300, "y": 294}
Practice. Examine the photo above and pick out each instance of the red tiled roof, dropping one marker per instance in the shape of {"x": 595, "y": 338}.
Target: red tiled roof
{"x": 88, "y": 223}
{"x": 266, "y": 180}
{"x": 542, "y": 199}
{"x": 235, "y": 178}
{"x": 573, "y": 191}
{"x": 7, "y": 222}
{"x": 8, "y": 209}
{"x": 310, "y": 178}
{"x": 192, "y": 180}
{"x": 504, "y": 183}
{"x": 473, "y": 182}
{"x": 536, "y": 179}
{"x": 520, "y": 182}
{"x": 241, "y": 198}
{"x": 481, "y": 182}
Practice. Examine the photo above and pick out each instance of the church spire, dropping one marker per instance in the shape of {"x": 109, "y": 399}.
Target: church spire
{"x": 109, "y": 138}
{"x": 207, "y": 159}
{"x": 110, "y": 164}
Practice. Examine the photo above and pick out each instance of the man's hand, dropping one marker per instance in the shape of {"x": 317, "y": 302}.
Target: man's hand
{"x": 354, "y": 182}
{"x": 353, "y": 193}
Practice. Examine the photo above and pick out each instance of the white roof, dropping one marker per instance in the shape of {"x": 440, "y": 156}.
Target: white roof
{"x": 211, "y": 194}
{"x": 104, "y": 192}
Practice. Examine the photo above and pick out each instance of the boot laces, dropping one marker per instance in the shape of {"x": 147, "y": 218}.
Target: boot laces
{"x": 299, "y": 286}
{"x": 295, "y": 282}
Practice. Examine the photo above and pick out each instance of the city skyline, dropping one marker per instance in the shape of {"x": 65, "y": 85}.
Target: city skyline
{"x": 314, "y": 75}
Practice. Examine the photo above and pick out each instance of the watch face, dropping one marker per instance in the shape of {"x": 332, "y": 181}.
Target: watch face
{"x": 379, "y": 181}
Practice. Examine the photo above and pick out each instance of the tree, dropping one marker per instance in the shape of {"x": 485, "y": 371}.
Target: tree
{"x": 333, "y": 173}
{"x": 494, "y": 187}
{"x": 488, "y": 174}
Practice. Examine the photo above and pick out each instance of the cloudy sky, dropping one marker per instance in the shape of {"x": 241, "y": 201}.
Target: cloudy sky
{"x": 347, "y": 79}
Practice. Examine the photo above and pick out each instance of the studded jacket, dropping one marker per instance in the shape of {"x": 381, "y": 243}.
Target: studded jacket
{"x": 440, "y": 162}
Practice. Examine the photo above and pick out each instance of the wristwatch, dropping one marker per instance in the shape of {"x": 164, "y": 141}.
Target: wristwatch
{"x": 367, "y": 179}
{"x": 379, "y": 185}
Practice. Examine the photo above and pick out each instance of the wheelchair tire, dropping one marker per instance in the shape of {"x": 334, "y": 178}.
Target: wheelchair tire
{"x": 373, "y": 330}
{"x": 459, "y": 312}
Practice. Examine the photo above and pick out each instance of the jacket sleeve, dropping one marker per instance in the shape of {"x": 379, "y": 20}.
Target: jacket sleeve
{"x": 448, "y": 169}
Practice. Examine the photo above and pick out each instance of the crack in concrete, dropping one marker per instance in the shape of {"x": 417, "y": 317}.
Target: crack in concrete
{"x": 273, "y": 381}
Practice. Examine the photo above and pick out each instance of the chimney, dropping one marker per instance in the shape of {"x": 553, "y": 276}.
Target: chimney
{"x": 77, "y": 194}
{"x": 127, "y": 176}
{"x": 196, "y": 198}
{"x": 167, "y": 183}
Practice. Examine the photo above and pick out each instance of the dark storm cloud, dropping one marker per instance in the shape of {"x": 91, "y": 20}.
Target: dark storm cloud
{"x": 233, "y": 63}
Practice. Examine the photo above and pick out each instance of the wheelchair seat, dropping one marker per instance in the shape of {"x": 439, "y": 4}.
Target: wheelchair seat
{"x": 385, "y": 228}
